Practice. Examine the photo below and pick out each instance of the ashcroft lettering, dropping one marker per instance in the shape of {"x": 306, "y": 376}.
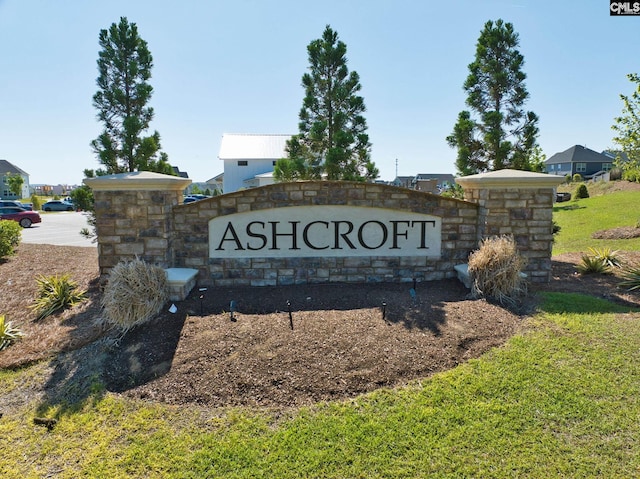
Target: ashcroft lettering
{"x": 370, "y": 235}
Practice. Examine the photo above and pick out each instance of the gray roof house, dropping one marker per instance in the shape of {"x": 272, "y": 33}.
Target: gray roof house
{"x": 7, "y": 170}
{"x": 581, "y": 160}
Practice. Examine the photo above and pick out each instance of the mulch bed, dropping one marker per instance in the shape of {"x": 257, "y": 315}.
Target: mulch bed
{"x": 345, "y": 340}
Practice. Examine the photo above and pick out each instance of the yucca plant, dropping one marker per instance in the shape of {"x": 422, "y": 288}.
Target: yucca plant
{"x": 8, "y": 334}
{"x": 631, "y": 278}
{"x": 592, "y": 264}
{"x": 608, "y": 257}
{"x": 56, "y": 293}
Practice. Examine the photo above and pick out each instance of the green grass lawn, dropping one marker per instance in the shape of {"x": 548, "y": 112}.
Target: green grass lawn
{"x": 579, "y": 219}
{"x": 561, "y": 399}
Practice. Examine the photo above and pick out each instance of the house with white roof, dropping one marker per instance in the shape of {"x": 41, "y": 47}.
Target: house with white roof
{"x": 249, "y": 159}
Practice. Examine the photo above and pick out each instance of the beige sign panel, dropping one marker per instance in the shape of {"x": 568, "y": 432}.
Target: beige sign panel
{"x": 327, "y": 231}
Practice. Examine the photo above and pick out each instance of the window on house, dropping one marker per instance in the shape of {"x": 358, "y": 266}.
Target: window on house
{"x": 273, "y": 163}
{"x": 581, "y": 167}
{"x": 243, "y": 162}
{"x": 552, "y": 167}
{"x": 607, "y": 166}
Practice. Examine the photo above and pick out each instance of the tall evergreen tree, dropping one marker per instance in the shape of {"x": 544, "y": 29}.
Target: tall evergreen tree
{"x": 500, "y": 134}
{"x": 332, "y": 138}
{"x": 124, "y": 66}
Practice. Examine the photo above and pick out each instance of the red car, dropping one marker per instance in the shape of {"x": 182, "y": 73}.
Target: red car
{"x": 24, "y": 217}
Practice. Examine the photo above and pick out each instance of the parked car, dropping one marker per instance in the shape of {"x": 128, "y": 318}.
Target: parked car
{"x": 18, "y": 204}
{"x": 192, "y": 198}
{"x": 57, "y": 205}
{"x": 22, "y": 216}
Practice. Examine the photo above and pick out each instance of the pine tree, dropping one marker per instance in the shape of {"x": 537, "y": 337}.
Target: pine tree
{"x": 124, "y": 66}
{"x": 332, "y": 138}
{"x": 501, "y": 134}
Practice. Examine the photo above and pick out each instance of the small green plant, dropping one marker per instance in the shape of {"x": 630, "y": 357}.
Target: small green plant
{"x": 590, "y": 265}
{"x": 8, "y": 334}
{"x": 10, "y": 234}
{"x": 631, "y": 278}
{"x": 577, "y": 178}
{"x": 56, "y": 293}
{"x": 35, "y": 202}
{"x": 607, "y": 256}
{"x": 581, "y": 191}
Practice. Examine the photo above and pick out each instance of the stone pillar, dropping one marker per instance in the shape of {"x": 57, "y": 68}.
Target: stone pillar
{"x": 518, "y": 203}
{"x": 134, "y": 217}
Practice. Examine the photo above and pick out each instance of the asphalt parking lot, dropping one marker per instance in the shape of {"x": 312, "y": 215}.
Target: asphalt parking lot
{"x": 60, "y": 228}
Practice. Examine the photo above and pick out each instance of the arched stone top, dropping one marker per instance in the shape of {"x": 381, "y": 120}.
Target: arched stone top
{"x": 506, "y": 178}
{"x": 137, "y": 181}
{"x": 323, "y": 192}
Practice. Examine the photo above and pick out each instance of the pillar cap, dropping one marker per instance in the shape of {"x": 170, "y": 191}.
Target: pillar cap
{"x": 510, "y": 179}
{"x": 137, "y": 180}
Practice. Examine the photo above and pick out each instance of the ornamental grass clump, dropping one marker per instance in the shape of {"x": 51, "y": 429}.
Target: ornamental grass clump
{"x": 496, "y": 270}
{"x": 56, "y": 293}
{"x": 135, "y": 293}
{"x": 8, "y": 334}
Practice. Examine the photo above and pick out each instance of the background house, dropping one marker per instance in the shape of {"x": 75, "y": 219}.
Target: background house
{"x": 246, "y": 157}
{"x": 581, "y": 160}
{"x": 427, "y": 182}
{"x": 7, "y": 170}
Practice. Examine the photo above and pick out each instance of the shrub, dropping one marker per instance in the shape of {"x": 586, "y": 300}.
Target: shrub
{"x": 615, "y": 174}
{"x": 10, "y": 234}
{"x": 567, "y": 178}
{"x": 577, "y": 178}
{"x": 35, "y": 202}
{"x": 496, "y": 270}
{"x": 632, "y": 174}
{"x": 135, "y": 292}
{"x": 8, "y": 334}
{"x": 581, "y": 191}
{"x": 56, "y": 293}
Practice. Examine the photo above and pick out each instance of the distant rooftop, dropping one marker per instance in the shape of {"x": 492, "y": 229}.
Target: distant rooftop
{"x": 6, "y": 167}
{"x": 252, "y": 147}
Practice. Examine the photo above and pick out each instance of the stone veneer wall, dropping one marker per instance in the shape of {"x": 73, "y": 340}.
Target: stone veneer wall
{"x": 517, "y": 203}
{"x": 140, "y": 215}
{"x": 191, "y": 241}
{"x": 134, "y": 217}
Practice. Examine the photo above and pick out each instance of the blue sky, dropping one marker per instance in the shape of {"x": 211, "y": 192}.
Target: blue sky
{"x": 235, "y": 66}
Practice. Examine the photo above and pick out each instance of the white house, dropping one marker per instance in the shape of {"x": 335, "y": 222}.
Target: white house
{"x": 249, "y": 159}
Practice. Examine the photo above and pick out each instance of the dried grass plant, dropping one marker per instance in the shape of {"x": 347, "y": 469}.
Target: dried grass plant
{"x": 496, "y": 270}
{"x": 134, "y": 294}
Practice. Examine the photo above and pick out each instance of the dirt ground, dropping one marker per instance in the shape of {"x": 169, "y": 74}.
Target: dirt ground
{"x": 273, "y": 347}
